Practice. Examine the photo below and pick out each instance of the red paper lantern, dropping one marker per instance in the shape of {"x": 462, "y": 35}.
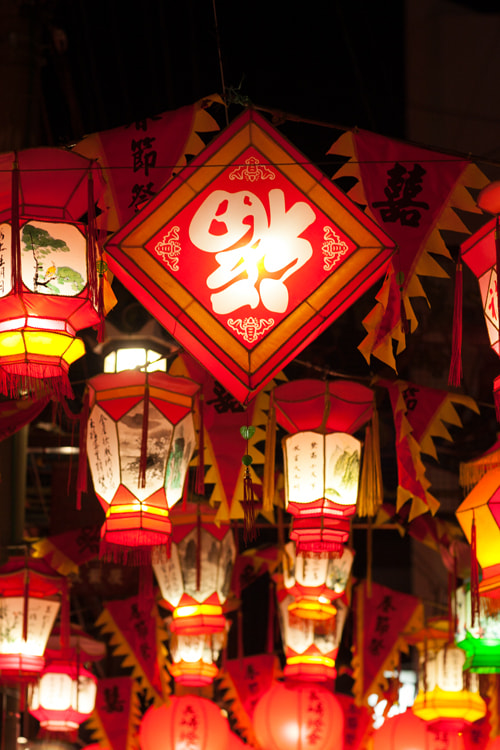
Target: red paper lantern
{"x": 407, "y": 732}
{"x": 49, "y": 273}
{"x": 298, "y": 717}
{"x": 194, "y": 582}
{"x": 248, "y": 254}
{"x": 322, "y": 457}
{"x": 30, "y": 599}
{"x": 140, "y": 440}
{"x": 188, "y": 722}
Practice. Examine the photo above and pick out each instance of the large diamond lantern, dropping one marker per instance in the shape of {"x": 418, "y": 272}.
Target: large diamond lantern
{"x": 322, "y": 458}
{"x": 248, "y": 254}
{"x": 139, "y": 418}
{"x": 48, "y": 267}
{"x": 194, "y": 582}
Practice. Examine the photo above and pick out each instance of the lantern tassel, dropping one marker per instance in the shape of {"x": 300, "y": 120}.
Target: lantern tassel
{"x": 144, "y": 439}
{"x": 200, "y": 470}
{"x": 269, "y": 458}
{"x": 405, "y": 323}
{"x": 81, "y": 478}
{"x": 455, "y": 373}
{"x": 249, "y": 530}
{"x": 474, "y": 576}
{"x": 16, "y": 238}
{"x": 371, "y": 491}
{"x": 497, "y": 253}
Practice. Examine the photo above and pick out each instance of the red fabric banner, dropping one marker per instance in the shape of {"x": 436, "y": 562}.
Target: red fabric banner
{"x": 112, "y": 716}
{"x": 381, "y": 616}
{"x": 357, "y": 723}
{"x": 18, "y": 413}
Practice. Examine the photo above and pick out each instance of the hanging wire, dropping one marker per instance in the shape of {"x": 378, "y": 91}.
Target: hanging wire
{"x": 221, "y": 66}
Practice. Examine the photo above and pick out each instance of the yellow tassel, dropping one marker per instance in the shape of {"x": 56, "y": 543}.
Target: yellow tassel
{"x": 268, "y": 483}
{"x": 371, "y": 490}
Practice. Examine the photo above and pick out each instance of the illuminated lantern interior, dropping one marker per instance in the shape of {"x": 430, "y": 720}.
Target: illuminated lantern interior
{"x": 481, "y": 642}
{"x": 165, "y": 726}
{"x": 194, "y": 582}
{"x": 49, "y": 286}
{"x": 284, "y": 717}
{"x": 30, "y": 599}
{"x": 322, "y": 458}
{"x": 482, "y": 506}
{"x": 448, "y": 698}
{"x": 139, "y": 418}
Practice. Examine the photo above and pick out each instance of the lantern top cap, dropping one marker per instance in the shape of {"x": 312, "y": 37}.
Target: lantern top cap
{"x": 53, "y": 183}
{"x": 175, "y": 383}
{"x": 330, "y": 406}
{"x": 80, "y": 645}
{"x": 485, "y": 492}
{"x": 43, "y": 580}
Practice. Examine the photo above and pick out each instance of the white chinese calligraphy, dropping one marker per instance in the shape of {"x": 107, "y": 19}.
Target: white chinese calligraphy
{"x": 256, "y": 253}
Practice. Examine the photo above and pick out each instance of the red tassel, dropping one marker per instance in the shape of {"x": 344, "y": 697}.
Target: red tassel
{"x": 26, "y": 603}
{"x": 198, "y": 550}
{"x": 16, "y": 238}
{"x": 455, "y": 373}
{"x": 405, "y": 324}
{"x": 91, "y": 241}
{"x": 474, "y": 577}
{"x": 497, "y": 251}
{"x": 81, "y": 478}
{"x": 249, "y": 529}
{"x": 144, "y": 440}
{"x": 200, "y": 471}
{"x": 65, "y": 617}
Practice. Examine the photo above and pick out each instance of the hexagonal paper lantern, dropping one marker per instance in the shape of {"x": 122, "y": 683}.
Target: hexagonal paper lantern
{"x": 139, "y": 418}
{"x": 248, "y": 254}
{"x": 30, "y": 599}
{"x": 64, "y": 697}
{"x": 311, "y": 646}
{"x": 315, "y": 580}
{"x": 482, "y": 507}
{"x": 194, "y": 582}
{"x": 481, "y": 641}
{"x": 48, "y": 267}
{"x": 322, "y": 458}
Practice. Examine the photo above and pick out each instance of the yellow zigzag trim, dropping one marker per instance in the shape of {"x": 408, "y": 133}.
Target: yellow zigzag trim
{"x": 98, "y": 733}
{"x": 56, "y": 559}
{"x": 121, "y": 647}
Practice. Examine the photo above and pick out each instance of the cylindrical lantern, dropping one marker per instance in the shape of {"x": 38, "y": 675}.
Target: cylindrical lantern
{"x": 481, "y": 641}
{"x": 315, "y": 580}
{"x": 30, "y": 598}
{"x": 481, "y": 511}
{"x": 64, "y": 697}
{"x": 187, "y": 723}
{"x": 194, "y": 582}
{"x": 407, "y": 732}
{"x": 49, "y": 267}
{"x": 298, "y": 717}
{"x": 448, "y": 698}
{"x": 140, "y": 440}
{"x": 322, "y": 457}
{"x": 311, "y": 645}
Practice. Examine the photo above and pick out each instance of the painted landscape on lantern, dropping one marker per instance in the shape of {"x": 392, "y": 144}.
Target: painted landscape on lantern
{"x": 53, "y": 258}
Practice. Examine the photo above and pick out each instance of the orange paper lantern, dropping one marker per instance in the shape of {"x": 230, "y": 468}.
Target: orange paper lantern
{"x": 248, "y": 254}
{"x": 407, "y": 732}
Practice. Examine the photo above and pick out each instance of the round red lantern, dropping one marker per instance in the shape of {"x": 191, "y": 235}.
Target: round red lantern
{"x": 298, "y": 717}
{"x": 186, "y": 723}
{"x": 140, "y": 440}
{"x": 407, "y": 732}
{"x": 49, "y": 267}
{"x": 322, "y": 457}
{"x": 30, "y": 599}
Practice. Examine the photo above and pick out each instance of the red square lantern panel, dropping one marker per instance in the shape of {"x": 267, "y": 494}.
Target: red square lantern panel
{"x": 248, "y": 254}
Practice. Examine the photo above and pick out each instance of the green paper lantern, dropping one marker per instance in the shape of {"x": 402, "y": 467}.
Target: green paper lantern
{"x": 481, "y": 643}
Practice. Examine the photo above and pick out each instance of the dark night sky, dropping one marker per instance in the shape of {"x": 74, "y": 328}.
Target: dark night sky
{"x": 336, "y": 61}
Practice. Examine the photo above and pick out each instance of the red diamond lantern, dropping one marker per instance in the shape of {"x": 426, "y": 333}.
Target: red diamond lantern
{"x": 248, "y": 254}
